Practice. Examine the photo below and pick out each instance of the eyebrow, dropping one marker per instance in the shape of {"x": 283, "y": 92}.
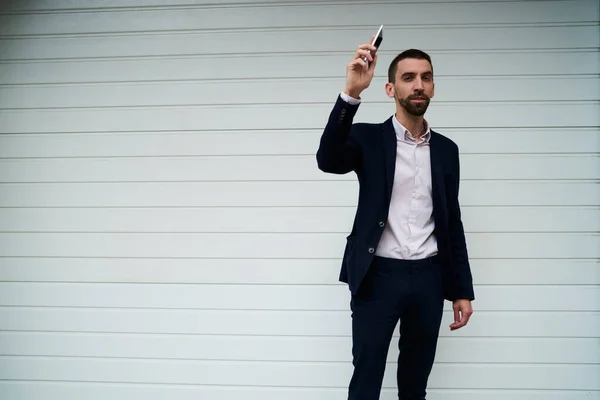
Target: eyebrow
{"x": 414, "y": 73}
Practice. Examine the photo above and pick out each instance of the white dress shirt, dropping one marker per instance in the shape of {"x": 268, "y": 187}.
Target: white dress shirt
{"x": 409, "y": 233}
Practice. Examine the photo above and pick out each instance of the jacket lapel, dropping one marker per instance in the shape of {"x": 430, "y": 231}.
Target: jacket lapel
{"x": 437, "y": 174}
{"x": 389, "y": 154}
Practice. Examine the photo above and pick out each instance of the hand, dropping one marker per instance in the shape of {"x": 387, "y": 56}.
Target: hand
{"x": 358, "y": 76}
{"x": 462, "y": 312}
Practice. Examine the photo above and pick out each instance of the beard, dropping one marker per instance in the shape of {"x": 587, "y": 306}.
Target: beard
{"x": 415, "y": 109}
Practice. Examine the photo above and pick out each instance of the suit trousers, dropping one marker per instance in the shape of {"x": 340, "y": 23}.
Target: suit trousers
{"x": 409, "y": 291}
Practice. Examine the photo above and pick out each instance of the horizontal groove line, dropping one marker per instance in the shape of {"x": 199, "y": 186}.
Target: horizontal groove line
{"x": 302, "y": 129}
{"x": 213, "y": 6}
{"x": 252, "y": 5}
{"x": 142, "y": 207}
{"x": 332, "y": 284}
{"x": 296, "y": 54}
{"x": 300, "y": 79}
{"x": 290, "y": 311}
{"x": 283, "y": 27}
{"x": 227, "y": 361}
{"x": 173, "y": 7}
{"x": 293, "y": 362}
{"x": 276, "y": 155}
{"x": 312, "y": 78}
{"x": 243, "y": 232}
{"x": 267, "y": 258}
{"x": 270, "y": 284}
{"x": 316, "y": 130}
{"x": 273, "y": 258}
{"x": 221, "y": 207}
{"x": 433, "y": 50}
{"x": 290, "y": 181}
{"x": 262, "y": 4}
{"x": 287, "y": 387}
{"x": 282, "y": 310}
{"x": 287, "y": 336}
{"x": 290, "y": 130}
{"x": 295, "y": 29}
{"x": 237, "y": 336}
{"x": 287, "y": 28}
{"x": 295, "y": 104}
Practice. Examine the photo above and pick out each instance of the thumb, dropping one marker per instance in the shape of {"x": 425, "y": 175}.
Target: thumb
{"x": 374, "y": 63}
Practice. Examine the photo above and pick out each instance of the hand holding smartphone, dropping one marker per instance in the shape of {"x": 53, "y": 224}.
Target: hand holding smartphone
{"x": 376, "y": 42}
{"x": 360, "y": 71}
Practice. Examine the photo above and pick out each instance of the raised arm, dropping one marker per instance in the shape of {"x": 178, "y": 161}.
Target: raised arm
{"x": 339, "y": 152}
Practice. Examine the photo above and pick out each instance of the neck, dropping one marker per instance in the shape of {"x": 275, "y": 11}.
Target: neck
{"x": 413, "y": 123}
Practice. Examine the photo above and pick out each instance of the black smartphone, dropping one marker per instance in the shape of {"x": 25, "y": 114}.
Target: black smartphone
{"x": 376, "y": 42}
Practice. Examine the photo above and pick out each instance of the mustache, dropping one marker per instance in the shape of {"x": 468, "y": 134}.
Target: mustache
{"x": 418, "y": 96}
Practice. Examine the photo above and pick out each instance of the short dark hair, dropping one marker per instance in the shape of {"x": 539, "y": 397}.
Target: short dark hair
{"x": 410, "y": 53}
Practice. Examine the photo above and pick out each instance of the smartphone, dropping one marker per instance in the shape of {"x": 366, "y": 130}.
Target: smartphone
{"x": 376, "y": 42}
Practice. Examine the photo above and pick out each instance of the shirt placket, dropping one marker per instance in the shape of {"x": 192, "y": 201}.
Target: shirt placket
{"x": 414, "y": 199}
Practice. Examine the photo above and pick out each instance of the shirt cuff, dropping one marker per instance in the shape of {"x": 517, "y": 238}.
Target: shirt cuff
{"x": 348, "y": 99}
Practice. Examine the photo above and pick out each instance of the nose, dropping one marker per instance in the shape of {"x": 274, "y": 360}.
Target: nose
{"x": 419, "y": 85}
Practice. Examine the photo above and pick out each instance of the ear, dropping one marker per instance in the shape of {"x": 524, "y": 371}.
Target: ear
{"x": 389, "y": 90}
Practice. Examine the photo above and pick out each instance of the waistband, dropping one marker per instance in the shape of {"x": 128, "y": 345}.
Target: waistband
{"x": 383, "y": 262}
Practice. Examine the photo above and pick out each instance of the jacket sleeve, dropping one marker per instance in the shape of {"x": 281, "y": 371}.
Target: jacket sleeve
{"x": 464, "y": 279}
{"x": 339, "y": 152}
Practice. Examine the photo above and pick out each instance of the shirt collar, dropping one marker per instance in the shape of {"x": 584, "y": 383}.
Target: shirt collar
{"x": 405, "y": 135}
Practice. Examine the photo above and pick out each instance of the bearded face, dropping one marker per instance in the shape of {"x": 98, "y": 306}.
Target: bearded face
{"x": 415, "y": 104}
{"x": 414, "y": 87}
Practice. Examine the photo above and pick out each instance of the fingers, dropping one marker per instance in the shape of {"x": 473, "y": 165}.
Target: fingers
{"x": 361, "y": 59}
{"x": 459, "y": 323}
{"x": 367, "y": 46}
{"x": 456, "y": 323}
{"x": 358, "y": 63}
{"x": 462, "y": 314}
{"x": 362, "y": 53}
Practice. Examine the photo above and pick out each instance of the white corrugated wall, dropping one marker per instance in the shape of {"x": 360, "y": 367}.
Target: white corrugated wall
{"x": 165, "y": 232}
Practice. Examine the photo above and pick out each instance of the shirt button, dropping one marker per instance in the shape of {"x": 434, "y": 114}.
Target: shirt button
{"x": 415, "y": 195}
{"x": 381, "y": 224}
{"x": 371, "y": 250}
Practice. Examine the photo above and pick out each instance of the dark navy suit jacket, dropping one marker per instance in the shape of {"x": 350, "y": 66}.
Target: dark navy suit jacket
{"x": 370, "y": 151}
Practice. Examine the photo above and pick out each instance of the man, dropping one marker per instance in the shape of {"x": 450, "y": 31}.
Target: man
{"x": 407, "y": 250}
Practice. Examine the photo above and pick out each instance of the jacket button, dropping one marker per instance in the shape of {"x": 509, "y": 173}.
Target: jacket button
{"x": 371, "y": 250}
{"x": 381, "y": 224}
